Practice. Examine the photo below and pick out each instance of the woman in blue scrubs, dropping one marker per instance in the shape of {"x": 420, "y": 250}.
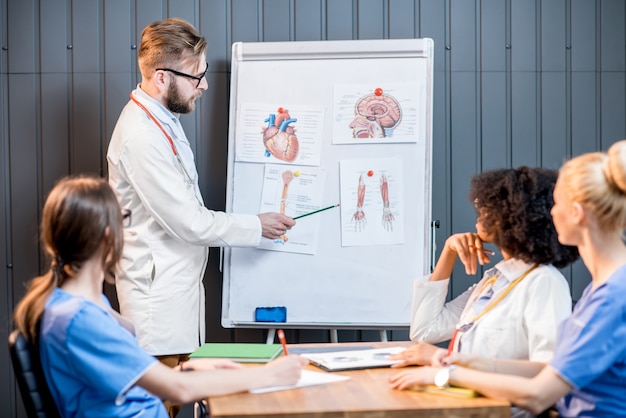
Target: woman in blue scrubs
{"x": 90, "y": 356}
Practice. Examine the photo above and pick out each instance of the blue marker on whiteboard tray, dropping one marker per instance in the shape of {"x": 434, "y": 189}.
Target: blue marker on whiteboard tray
{"x": 270, "y": 314}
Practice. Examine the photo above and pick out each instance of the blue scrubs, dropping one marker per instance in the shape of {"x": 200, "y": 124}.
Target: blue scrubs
{"x": 591, "y": 352}
{"x": 92, "y": 363}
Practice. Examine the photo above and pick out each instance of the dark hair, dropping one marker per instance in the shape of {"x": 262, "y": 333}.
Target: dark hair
{"x": 517, "y": 204}
{"x": 81, "y": 216}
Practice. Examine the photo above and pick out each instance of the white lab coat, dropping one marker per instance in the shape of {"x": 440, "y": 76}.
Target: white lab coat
{"x": 166, "y": 247}
{"x": 523, "y": 325}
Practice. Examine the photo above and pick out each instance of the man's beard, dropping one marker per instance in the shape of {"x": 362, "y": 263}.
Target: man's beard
{"x": 175, "y": 102}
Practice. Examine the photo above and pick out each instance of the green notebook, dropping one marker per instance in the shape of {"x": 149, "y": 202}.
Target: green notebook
{"x": 239, "y": 352}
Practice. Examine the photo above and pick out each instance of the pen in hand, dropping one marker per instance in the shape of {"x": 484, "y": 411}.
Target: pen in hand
{"x": 486, "y": 251}
{"x": 281, "y": 338}
{"x": 451, "y": 344}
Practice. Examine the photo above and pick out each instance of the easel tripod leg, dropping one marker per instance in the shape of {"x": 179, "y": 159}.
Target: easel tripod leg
{"x": 270, "y": 336}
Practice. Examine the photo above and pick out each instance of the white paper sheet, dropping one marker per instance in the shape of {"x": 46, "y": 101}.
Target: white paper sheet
{"x": 308, "y": 378}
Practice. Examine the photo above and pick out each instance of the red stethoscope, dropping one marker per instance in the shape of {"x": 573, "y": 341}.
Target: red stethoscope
{"x": 169, "y": 138}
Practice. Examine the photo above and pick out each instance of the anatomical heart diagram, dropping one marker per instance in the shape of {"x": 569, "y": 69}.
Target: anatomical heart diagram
{"x": 279, "y": 136}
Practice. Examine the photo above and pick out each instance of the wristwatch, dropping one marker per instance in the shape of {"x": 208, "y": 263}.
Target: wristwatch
{"x": 442, "y": 378}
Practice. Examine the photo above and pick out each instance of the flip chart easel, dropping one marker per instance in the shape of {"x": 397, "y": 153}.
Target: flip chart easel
{"x": 338, "y": 286}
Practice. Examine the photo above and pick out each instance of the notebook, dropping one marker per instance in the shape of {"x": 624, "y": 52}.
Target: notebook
{"x": 447, "y": 391}
{"x": 239, "y": 352}
{"x": 355, "y": 359}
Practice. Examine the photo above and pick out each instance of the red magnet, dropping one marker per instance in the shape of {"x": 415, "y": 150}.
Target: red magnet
{"x": 370, "y": 173}
{"x": 378, "y": 91}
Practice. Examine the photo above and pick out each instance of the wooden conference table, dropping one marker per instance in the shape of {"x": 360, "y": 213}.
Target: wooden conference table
{"x": 365, "y": 394}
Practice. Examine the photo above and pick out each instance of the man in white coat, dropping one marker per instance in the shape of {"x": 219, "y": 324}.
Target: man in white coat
{"x": 153, "y": 172}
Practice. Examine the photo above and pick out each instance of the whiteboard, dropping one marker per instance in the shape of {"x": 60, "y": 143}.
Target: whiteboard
{"x": 335, "y": 285}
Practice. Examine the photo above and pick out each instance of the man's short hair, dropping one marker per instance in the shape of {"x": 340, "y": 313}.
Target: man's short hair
{"x": 169, "y": 43}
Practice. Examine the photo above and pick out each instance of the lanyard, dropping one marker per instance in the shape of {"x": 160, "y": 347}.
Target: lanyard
{"x": 467, "y": 326}
{"x": 169, "y": 138}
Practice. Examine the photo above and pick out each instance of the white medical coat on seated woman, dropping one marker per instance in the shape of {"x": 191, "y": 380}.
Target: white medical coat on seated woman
{"x": 166, "y": 246}
{"x": 523, "y": 325}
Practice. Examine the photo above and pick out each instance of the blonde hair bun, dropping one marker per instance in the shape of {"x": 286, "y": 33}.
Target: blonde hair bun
{"x": 615, "y": 168}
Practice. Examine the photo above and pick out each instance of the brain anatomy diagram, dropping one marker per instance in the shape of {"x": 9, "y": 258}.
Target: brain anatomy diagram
{"x": 375, "y": 113}
{"x": 279, "y": 137}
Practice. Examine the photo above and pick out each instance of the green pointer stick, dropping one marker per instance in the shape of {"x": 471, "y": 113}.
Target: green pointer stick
{"x": 316, "y": 211}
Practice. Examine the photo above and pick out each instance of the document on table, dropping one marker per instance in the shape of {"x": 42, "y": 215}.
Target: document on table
{"x": 308, "y": 378}
{"x": 354, "y": 360}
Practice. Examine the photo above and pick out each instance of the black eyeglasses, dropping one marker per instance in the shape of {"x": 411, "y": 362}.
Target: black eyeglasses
{"x": 126, "y": 217}
{"x": 193, "y": 77}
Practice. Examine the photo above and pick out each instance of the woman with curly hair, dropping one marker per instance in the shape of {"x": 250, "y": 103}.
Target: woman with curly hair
{"x": 514, "y": 311}
{"x": 587, "y": 373}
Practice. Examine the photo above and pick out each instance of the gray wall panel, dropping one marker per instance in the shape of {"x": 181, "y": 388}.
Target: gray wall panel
{"x": 553, "y": 35}
{"x": 465, "y": 159}
{"x": 525, "y": 138}
{"x": 308, "y": 22}
{"x": 117, "y": 34}
{"x": 22, "y": 35}
{"x": 54, "y": 129}
{"x": 493, "y": 37}
{"x": 339, "y": 20}
{"x": 245, "y": 21}
{"x": 182, "y": 8}
{"x": 86, "y": 124}
{"x": 463, "y": 35}
{"x": 554, "y": 141}
{"x": 213, "y": 149}
{"x": 524, "y": 35}
{"x": 613, "y": 119}
{"x": 583, "y": 35}
{"x": 53, "y": 36}
{"x": 189, "y": 123}
{"x": 86, "y": 36}
{"x": 277, "y": 21}
{"x": 434, "y": 23}
{"x": 495, "y": 145}
{"x": 24, "y": 186}
{"x": 116, "y": 90}
{"x": 7, "y": 388}
{"x": 613, "y": 34}
{"x": 211, "y": 157}
{"x": 441, "y": 177}
{"x": 146, "y": 12}
{"x": 371, "y": 23}
{"x": 585, "y": 113}
{"x": 402, "y": 17}
{"x": 580, "y": 277}
{"x": 214, "y": 25}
